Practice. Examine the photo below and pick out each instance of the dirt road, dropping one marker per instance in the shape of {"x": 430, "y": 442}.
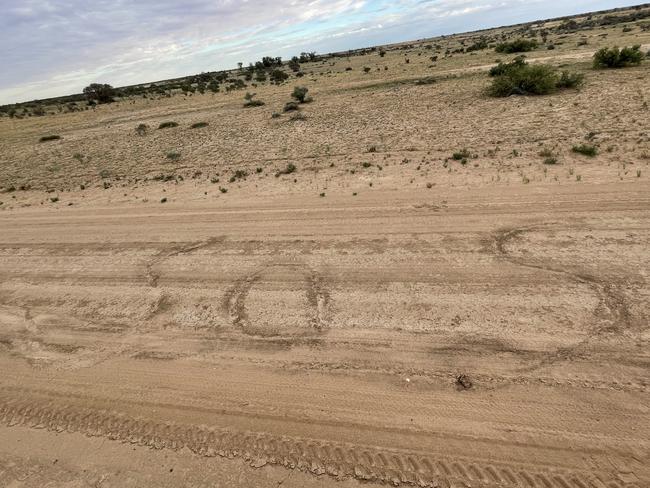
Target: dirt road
{"x": 326, "y": 336}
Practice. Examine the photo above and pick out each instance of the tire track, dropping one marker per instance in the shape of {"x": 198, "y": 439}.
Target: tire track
{"x": 153, "y": 276}
{"x": 318, "y": 298}
{"x": 336, "y": 459}
{"x": 612, "y": 313}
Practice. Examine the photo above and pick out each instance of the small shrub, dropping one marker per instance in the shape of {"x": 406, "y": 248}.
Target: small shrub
{"x": 570, "y": 80}
{"x": 199, "y": 125}
{"x": 366, "y": 69}
{"x": 277, "y": 76}
{"x": 550, "y": 160}
{"x": 259, "y": 170}
{"x": 516, "y": 46}
{"x": 618, "y": 58}
{"x": 460, "y": 155}
{"x": 251, "y": 102}
{"x": 163, "y": 200}
{"x": 239, "y": 174}
{"x": 49, "y": 138}
{"x": 142, "y": 129}
{"x": 300, "y": 94}
{"x": 366, "y": 164}
{"x": 167, "y": 125}
{"x": 291, "y": 168}
{"x": 223, "y": 190}
{"x": 520, "y": 78}
{"x": 276, "y": 115}
{"x": 54, "y": 199}
{"x": 585, "y": 150}
{"x": 291, "y": 107}
{"x": 173, "y": 156}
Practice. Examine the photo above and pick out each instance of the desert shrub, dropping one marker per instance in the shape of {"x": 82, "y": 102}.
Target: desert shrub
{"x": 141, "y": 129}
{"x": 570, "y": 80}
{"x": 290, "y": 168}
{"x": 239, "y": 174}
{"x": 294, "y": 64}
{"x": 520, "y": 78}
{"x": 460, "y": 155}
{"x": 585, "y": 150}
{"x": 502, "y": 68}
{"x": 199, "y": 125}
{"x": 251, "y": 102}
{"x": 291, "y": 107}
{"x": 54, "y": 199}
{"x": 277, "y": 76}
{"x": 173, "y": 156}
{"x": 300, "y": 94}
{"x": 618, "y": 58}
{"x": 366, "y": 69}
{"x": 477, "y": 46}
{"x": 49, "y": 138}
{"x": 100, "y": 93}
{"x": 223, "y": 190}
{"x": 163, "y": 200}
{"x": 428, "y": 80}
{"x": 167, "y": 125}
{"x": 516, "y": 46}
{"x": 550, "y": 160}
{"x": 551, "y": 47}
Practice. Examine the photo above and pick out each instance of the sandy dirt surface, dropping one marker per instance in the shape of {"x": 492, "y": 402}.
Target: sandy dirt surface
{"x": 383, "y": 315}
{"x": 329, "y": 338}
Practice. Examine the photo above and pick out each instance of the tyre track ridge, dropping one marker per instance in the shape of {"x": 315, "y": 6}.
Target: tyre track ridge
{"x": 336, "y": 459}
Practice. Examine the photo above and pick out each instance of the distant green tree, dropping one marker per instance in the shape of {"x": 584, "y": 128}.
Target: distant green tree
{"x": 100, "y": 93}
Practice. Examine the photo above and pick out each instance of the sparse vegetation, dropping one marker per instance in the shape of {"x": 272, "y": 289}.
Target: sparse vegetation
{"x": 300, "y": 94}
{"x": 516, "y": 46}
{"x": 251, "y": 101}
{"x": 290, "y": 168}
{"x": 618, "y": 58}
{"x": 585, "y": 150}
{"x": 199, "y": 125}
{"x": 49, "y": 138}
{"x": 291, "y": 107}
{"x": 460, "y": 155}
{"x": 173, "y": 156}
{"x": 100, "y": 93}
{"x": 142, "y": 129}
{"x": 168, "y": 125}
{"x": 520, "y": 78}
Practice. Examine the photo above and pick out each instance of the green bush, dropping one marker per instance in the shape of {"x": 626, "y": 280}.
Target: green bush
{"x": 520, "y": 78}
{"x": 167, "y": 125}
{"x": 291, "y": 168}
{"x": 251, "y": 102}
{"x": 516, "y": 46}
{"x": 618, "y": 58}
{"x": 586, "y": 150}
{"x": 291, "y": 107}
{"x": 502, "y": 68}
{"x": 570, "y": 80}
{"x": 49, "y": 138}
{"x": 300, "y": 94}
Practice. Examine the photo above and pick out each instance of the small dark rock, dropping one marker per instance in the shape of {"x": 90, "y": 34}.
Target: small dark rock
{"x": 463, "y": 382}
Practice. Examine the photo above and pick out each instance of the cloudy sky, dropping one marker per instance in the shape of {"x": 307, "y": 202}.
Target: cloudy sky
{"x": 56, "y": 47}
